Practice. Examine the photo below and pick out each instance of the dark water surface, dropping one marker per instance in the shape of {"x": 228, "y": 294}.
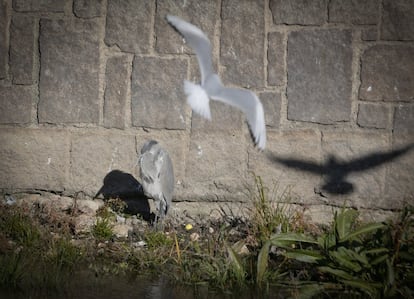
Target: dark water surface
{"x": 111, "y": 288}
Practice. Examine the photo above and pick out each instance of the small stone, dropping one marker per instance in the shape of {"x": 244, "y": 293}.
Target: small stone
{"x": 89, "y": 206}
{"x": 121, "y": 230}
{"x": 194, "y": 237}
{"x": 120, "y": 219}
{"x": 211, "y": 230}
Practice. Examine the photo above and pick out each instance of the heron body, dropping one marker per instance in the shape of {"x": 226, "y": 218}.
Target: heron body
{"x": 157, "y": 176}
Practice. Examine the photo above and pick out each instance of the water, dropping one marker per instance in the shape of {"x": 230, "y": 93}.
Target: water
{"x": 114, "y": 287}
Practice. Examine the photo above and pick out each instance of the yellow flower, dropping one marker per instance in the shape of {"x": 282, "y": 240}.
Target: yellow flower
{"x": 188, "y": 227}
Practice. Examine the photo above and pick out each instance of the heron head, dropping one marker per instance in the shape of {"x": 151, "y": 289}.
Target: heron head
{"x": 148, "y": 145}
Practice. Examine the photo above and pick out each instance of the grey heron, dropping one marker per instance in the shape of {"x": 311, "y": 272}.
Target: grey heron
{"x": 157, "y": 177}
{"x": 211, "y": 86}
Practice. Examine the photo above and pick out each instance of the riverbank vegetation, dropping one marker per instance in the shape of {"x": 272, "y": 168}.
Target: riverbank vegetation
{"x": 274, "y": 248}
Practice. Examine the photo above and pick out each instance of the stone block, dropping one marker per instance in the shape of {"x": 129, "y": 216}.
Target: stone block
{"x": 242, "y": 42}
{"x": 69, "y": 81}
{"x": 374, "y": 116}
{"x": 200, "y": 13}
{"x": 319, "y": 67}
{"x": 276, "y": 67}
{"x": 404, "y": 120}
{"x": 116, "y": 91}
{"x": 272, "y": 103}
{"x": 94, "y": 155}
{"x": 399, "y": 187}
{"x": 387, "y": 73}
{"x": 280, "y": 168}
{"x": 216, "y": 168}
{"x": 16, "y": 104}
{"x": 128, "y": 25}
{"x": 354, "y": 166}
{"x": 158, "y": 99}
{"x": 22, "y": 49}
{"x": 298, "y": 12}
{"x": 34, "y": 159}
{"x": 39, "y": 5}
{"x": 4, "y": 44}
{"x": 88, "y": 8}
{"x": 354, "y": 12}
{"x": 369, "y": 33}
{"x": 223, "y": 117}
{"x": 397, "y": 20}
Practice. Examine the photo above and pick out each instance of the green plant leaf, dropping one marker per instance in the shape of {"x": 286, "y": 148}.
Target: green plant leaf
{"x": 306, "y": 256}
{"x": 342, "y": 258}
{"x": 372, "y": 289}
{"x": 343, "y": 222}
{"x": 286, "y": 239}
{"x": 262, "y": 261}
{"x": 336, "y": 272}
{"x": 365, "y": 229}
{"x": 235, "y": 260}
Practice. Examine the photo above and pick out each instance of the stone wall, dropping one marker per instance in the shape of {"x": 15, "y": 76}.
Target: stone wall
{"x": 84, "y": 83}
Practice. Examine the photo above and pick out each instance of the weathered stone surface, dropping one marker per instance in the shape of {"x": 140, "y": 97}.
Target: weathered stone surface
{"x": 319, "y": 75}
{"x": 157, "y": 88}
{"x": 404, "y": 119}
{"x": 399, "y": 187}
{"x": 354, "y": 168}
{"x": 275, "y": 59}
{"x": 39, "y": 5}
{"x": 223, "y": 117}
{"x": 22, "y": 46}
{"x": 4, "y": 44}
{"x": 94, "y": 155}
{"x": 200, "y": 13}
{"x": 354, "y": 11}
{"x": 271, "y": 104}
{"x": 369, "y": 33}
{"x": 216, "y": 167}
{"x": 34, "y": 159}
{"x": 387, "y": 73}
{"x": 16, "y": 104}
{"x": 274, "y": 169}
{"x": 128, "y": 25}
{"x": 397, "y": 20}
{"x": 242, "y": 42}
{"x": 117, "y": 82}
{"x": 88, "y": 8}
{"x": 374, "y": 116}
{"x": 69, "y": 85}
{"x": 301, "y": 12}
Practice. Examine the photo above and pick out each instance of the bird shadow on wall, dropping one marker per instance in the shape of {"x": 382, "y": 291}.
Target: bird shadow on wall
{"x": 334, "y": 171}
{"x": 122, "y": 185}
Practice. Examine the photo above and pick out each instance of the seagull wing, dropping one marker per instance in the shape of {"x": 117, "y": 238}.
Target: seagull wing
{"x": 249, "y": 103}
{"x": 198, "y": 41}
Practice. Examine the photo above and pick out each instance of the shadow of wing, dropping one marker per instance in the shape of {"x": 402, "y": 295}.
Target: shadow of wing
{"x": 375, "y": 159}
{"x": 298, "y": 164}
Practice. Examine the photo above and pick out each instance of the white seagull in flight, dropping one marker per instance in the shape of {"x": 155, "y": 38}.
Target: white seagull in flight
{"x": 211, "y": 87}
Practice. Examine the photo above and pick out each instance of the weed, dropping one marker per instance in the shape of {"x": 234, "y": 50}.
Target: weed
{"x": 269, "y": 216}
{"x": 102, "y": 230}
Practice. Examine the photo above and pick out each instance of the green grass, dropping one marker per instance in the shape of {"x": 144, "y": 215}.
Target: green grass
{"x": 274, "y": 247}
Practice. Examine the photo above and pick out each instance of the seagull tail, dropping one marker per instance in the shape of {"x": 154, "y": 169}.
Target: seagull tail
{"x": 197, "y": 98}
